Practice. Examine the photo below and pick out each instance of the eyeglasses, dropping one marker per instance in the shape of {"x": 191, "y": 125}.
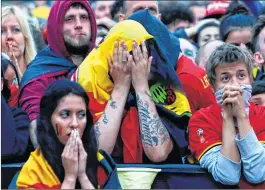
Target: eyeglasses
{"x": 248, "y": 45}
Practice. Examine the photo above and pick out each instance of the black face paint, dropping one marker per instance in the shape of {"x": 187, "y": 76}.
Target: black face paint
{"x": 57, "y": 132}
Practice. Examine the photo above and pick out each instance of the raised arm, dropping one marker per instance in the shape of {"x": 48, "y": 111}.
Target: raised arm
{"x": 82, "y": 165}
{"x": 108, "y": 125}
{"x": 155, "y": 138}
{"x": 212, "y": 139}
{"x": 228, "y": 157}
{"x": 70, "y": 162}
{"x": 252, "y": 151}
{"x": 253, "y": 157}
{"x": 218, "y": 159}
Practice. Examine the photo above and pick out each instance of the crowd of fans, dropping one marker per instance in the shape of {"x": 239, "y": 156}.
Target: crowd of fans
{"x": 164, "y": 82}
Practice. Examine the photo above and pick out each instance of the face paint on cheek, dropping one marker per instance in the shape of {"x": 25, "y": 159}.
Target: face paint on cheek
{"x": 58, "y": 130}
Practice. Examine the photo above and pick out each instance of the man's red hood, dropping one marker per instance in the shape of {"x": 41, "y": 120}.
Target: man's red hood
{"x": 55, "y": 26}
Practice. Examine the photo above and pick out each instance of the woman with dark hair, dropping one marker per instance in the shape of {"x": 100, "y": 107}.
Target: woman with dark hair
{"x": 11, "y": 76}
{"x": 236, "y": 25}
{"x": 67, "y": 153}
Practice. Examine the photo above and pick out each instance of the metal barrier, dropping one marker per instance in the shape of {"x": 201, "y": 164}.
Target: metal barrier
{"x": 184, "y": 176}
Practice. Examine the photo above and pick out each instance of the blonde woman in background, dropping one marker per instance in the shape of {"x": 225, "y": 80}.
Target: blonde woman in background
{"x": 17, "y": 39}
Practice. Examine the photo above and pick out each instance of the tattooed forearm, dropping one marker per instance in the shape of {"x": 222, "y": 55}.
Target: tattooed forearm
{"x": 153, "y": 132}
{"x": 112, "y": 103}
{"x": 105, "y": 119}
{"x": 158, "y": 130}
{"x": 144, "y": 117}
{"x": 97, "y": 132}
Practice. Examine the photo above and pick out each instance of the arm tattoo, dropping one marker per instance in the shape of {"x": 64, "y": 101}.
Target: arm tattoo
{"x": 112, "y": 103}
{"x": 105, "y": 119}
{"x": 144, "y": 117}
{"x": 153, "y": 132}
{"x": 158, "y": 129}
{"x": 97, "y": 132}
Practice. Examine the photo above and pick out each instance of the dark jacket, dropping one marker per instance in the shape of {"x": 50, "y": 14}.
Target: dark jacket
{"x": 15, "y": 133}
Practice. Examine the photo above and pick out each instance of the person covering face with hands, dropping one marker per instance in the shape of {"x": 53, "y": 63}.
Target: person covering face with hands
{"x": 67, "y": 154}
{"x": 228, "y": 138}
{"x": 74, "y": 160}
{"x": 127, "y": 89}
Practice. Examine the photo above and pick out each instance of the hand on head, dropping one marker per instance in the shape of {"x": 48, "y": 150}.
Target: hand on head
{"x": 120, "y": 65}
{"x": 74, "y": 157}
{"x": 126, "y": 69}
{"x": 141, "y": 66}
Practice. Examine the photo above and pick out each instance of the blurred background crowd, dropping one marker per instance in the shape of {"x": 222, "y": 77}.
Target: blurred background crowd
{"x": 200, "y": 26}
{"x": 195, "y": 22}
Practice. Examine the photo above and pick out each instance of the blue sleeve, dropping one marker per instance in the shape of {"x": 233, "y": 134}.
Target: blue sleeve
{"x": 180, "y": 33}
{"x": 222, "y": 169}
{"x": 253, "y": 157}
{"x": 15, "y": 134}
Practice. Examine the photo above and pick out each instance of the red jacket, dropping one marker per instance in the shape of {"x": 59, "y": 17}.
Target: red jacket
{"x": 195, "y": 84}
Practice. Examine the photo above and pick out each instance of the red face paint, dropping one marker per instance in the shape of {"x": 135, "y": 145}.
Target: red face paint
{"x": 60, "y": 129}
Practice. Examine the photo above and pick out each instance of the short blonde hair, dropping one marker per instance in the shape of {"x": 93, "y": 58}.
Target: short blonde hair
{"x": 30, "y": 50}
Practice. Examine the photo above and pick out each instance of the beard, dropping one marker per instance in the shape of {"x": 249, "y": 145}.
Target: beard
{"x": 78, "y": 46}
